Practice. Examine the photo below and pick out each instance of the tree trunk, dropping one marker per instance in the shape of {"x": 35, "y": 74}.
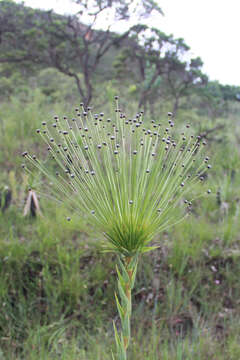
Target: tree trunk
{"x": 175, "y": 106}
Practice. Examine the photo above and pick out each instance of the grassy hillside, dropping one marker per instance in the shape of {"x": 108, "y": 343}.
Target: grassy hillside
{"x": 56, "y": 285}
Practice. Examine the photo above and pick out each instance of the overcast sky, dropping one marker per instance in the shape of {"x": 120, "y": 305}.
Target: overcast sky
{"x": 210, "y": 27}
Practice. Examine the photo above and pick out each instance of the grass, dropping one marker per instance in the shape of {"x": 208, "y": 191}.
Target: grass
{"x": 56, "y": 286}
{"x": 56, "y": 293}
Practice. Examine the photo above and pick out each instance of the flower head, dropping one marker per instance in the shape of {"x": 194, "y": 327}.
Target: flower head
{"x": 127, "y": 176}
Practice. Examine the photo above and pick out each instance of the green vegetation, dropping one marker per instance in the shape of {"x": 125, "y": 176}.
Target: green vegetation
{"x": 56, "y": 284}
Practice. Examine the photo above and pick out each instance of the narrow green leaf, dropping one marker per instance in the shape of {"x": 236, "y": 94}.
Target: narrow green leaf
{"x": 149, "y": 248}
{"x": 120, "y": 278}
{"x": 120, "y": 309}
{"x": 133, "y": 276}
{"x": 123, "y": 296}
{"x": 117, "y": 338}
{"x": 126, "y": 326}
{"x": 124, "y": 271}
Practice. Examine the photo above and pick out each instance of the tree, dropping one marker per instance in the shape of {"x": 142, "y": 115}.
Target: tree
{"x": 37, "y": 37}
{"x": 216, "y": 97}
{"x": 152, "y": 46}
{"x": 163, "y": 64}
{"x": 145, "y": 56}
{"x": 182, "y": 78}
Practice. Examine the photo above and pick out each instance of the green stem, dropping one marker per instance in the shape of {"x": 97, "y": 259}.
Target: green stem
{"x": 126, "y": 272}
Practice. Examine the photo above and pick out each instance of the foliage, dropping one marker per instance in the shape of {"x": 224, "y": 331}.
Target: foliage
{"x": 122, "y": 9}
{"x": 164, "y": 66}
{"x": 217, "y": 97}
{"x": 46, "y": 39}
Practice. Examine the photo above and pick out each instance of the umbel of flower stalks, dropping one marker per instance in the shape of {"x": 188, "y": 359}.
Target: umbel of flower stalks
{"x": 128, "y": 177}
{"x": 125, "y": 174}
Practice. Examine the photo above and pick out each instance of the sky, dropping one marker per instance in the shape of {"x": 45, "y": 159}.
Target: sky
{"x": 210, "y": 27}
